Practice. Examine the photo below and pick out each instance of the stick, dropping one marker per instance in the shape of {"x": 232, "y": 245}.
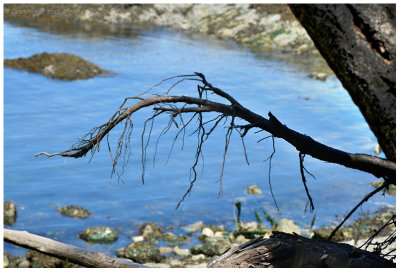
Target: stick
{"x": 64, "y": 251}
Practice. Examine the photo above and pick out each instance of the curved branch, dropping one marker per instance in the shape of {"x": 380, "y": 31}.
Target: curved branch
{"x": 303, "y": 143}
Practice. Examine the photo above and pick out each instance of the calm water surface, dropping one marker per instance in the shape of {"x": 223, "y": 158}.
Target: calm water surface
{"x": 42, "y": 114}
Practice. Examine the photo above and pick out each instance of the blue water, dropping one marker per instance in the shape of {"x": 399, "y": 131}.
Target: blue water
{"x": 42, "y": 114}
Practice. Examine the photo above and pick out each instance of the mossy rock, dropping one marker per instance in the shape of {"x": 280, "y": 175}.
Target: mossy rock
{"x": 74, "y": 211}
{"x": 151, "y": 231}
{"x": 324, "y": 233}
{"x": 60, "y": 66}
{"x": 211, "y": 249}
{"x": 100, "y": 235}
{"x": 378, "y": 183}
{"x": 10, "y": 213}
{"x": 143, "y": 252}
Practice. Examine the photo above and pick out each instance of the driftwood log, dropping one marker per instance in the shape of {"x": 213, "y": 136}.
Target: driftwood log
{"x": 284, "y": 250}
{"x": 66, "y": 252}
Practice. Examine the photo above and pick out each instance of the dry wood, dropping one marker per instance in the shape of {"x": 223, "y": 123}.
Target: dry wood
{"x": 66, "y": 252}
{"x": 284, "y": 250}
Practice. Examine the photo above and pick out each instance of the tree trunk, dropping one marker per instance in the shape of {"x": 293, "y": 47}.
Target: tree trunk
{"x": 63, "y": 251}
{"x": 283, "y": 250}
{"x": 358, "y": 41}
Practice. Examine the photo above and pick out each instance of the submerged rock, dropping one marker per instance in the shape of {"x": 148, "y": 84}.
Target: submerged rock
{"x": 253, "y": 190}
{"x": 318, "y": 76}
{"x": 101, "y": 235}
{"x": 74, "y": 211}
{"x": 150, "y": 231}
{"x": 193, "y": 227}
{"x": 60, "y": 66}
{"x": 10, "y": 213}
{"x": 143, "y": 252}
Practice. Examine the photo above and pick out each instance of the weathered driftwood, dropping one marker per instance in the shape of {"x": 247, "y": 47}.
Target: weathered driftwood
{"x": 283, "y": 250}
{"x": 63, "y": 251}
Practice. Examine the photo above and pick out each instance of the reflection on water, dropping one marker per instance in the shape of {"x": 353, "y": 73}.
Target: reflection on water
{"x": 41, "y": 114}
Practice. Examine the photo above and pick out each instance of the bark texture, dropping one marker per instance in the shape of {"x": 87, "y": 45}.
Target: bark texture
{"x": 358, "y": 41}
{"x": 283, "y": 250}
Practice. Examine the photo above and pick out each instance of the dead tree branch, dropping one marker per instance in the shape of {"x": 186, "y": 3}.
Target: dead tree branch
{"x": 304, "y": 144}
{"x": 66, "y": 252}
{"x": 178, "y": 105}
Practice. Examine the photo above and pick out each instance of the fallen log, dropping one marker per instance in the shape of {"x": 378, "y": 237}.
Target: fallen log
{"x": 284, "y": 250}
{"x": 64, "y": 251}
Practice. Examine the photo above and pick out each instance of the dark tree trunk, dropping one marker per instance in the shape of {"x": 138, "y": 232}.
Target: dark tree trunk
{"x": 358, "y": 41}
{"x": 283, "y": 250}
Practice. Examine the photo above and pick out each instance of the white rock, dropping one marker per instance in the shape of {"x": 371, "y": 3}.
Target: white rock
{"x": 198, "y": 257}
{"x": 207, "y": 232}
{"x": 193, "y": 227}
{"x": 24, "y": 264}
{"x": 137, "y": 238}
{"x": 219, "y": 234}
{"x": 288, "y": 226}
{"x": 181, "y": 251}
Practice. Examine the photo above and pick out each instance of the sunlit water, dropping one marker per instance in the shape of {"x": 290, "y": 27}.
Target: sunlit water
{"x": 42, "y": 114}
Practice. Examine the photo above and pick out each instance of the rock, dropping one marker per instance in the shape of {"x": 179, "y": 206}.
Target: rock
{"x": 193, "y": 227}
{"x": 288, "y": 226}
{"x": 250, "y": 226}
{"x": 41, "y": 260}
{"x": 24, "y": 264}
{"x": 143, "y": 252}
{"x": 207, "y": 232}
{"x": 137, "y": 238}
{"x": 318, "y": 76}
{"x": 211, "y": 249}
{"x": 150, "y": 231}
{"x": 5, "y": 259}
{"x": 60, "y": 66}
{"x": 200, "y": 265}
{"x": 74, "y": 211}
{"x": 241, "y": 239}
{"x": 198, "y": 257}
{"x": 158, "y": 265}
{"x": 378, "y": 183}
{"x": 253, "y": 190}
{"x": 181, "y": 251}
{"x": 101, "y": 235}
{"x": 324, "y": 233}
{"x": 10, "y": 213}
{"x": 219, "y": 234}
{"x": 175, "y": 263}
{"x": 164, "y": 250}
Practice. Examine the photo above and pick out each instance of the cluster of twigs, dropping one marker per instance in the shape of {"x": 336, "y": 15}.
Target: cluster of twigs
{"x": 178, "y": 106}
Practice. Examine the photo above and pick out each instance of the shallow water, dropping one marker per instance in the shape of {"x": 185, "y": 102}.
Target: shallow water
{"x": 42, "y": 114}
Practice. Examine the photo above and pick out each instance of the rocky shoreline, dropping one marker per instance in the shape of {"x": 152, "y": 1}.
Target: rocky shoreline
{"x": 159, "y": 246}
{"x": 263, "y": 28}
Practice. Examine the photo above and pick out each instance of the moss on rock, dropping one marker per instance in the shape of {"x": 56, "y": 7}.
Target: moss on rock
{"x": 62, "y": 66}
